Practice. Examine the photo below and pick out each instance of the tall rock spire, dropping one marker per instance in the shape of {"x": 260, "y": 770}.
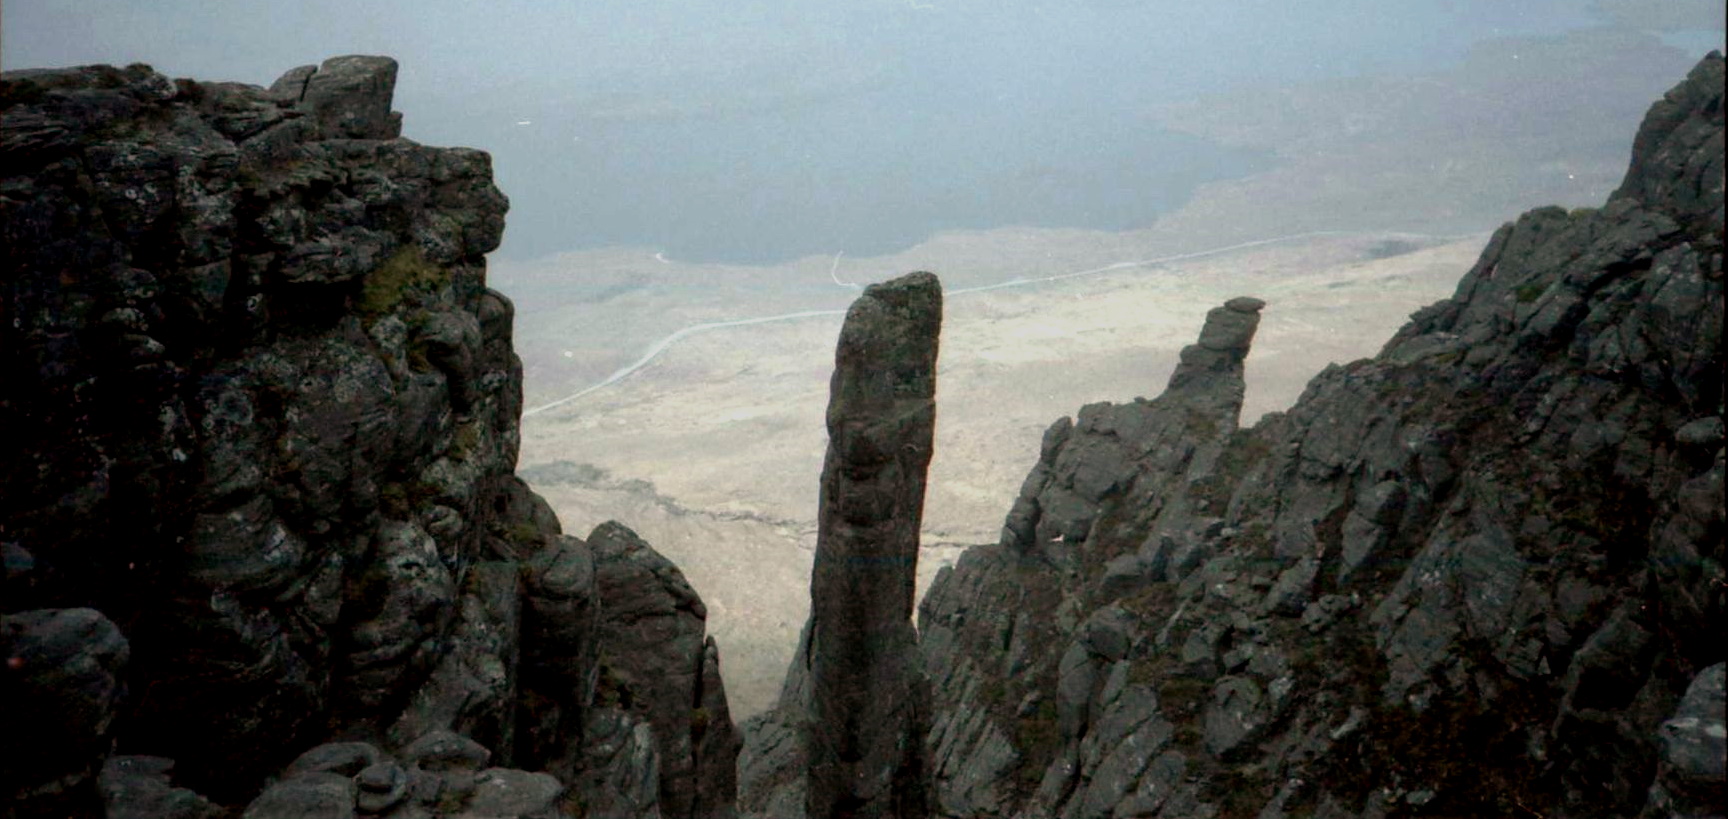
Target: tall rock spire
{"x": 1208, "y": 378}
{"x": 870, "y": 700}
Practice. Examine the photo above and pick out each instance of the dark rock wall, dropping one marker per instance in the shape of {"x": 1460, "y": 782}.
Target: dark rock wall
{"x": 258, "y": 398}
{"x": 260, "y": 423}
{"x": 1480, "y": 574}
{"x": 846, "y": 736}
{"x": 869, "y": 703}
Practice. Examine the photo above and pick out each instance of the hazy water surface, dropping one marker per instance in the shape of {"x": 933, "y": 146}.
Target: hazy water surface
{"x": 867, "y": 175}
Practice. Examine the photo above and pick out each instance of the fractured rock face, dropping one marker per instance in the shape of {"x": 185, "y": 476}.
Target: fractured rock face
{"x": 260, "y": 421}
{"x": 1099, "y": 457}
{"x": 350, "y": 97}
{"x": 263, "y": 424}
{"x": 1476, "y": 574}
{"x": 869, "y": 701}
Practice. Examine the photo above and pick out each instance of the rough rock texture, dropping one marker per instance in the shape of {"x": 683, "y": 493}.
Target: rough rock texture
{"x": 1690, "y": 780}
{"x": 869, "y": 705}
{"x": 1084, "y": 464}
{"x": 1480, "y": 574}
{"x": 440, "y": 774}
{"x": 141, "y": 787}
{"x": 1034, "y": 704}
{"x": 256, "y": 487}
{"x": 658, "y": 662}
{"x": 63, "y": 686}
{"x": 846, "y": 737}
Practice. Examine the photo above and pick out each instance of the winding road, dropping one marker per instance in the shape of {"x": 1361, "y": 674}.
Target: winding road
{"x": 663, "y": 344}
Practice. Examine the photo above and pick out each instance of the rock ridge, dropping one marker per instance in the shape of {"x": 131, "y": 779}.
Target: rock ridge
{"x": 1471, "y": 576}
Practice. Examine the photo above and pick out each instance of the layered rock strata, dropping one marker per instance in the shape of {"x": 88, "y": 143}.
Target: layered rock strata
{"x": 256, "y": 489}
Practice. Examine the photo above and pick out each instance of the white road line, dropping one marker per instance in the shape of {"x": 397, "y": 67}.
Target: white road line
{"x": 661, "y": 345}
{"x": 834, "y": 269}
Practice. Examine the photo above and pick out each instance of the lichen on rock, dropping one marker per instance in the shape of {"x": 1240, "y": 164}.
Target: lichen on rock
{"x": 261, "y": 417}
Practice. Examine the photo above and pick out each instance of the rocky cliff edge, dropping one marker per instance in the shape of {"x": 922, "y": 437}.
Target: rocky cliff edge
{"x": 263, "y": 541}
{"x": 1480, "y": 574}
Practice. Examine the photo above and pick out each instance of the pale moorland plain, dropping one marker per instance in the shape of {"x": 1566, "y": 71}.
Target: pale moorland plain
{"x": 712, "y": 450}
{"x": 1382, "y": 194}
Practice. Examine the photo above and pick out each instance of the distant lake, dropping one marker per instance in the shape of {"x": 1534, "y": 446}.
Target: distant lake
{"x": 768, "y": 130}
{"x": 868, "y": 173}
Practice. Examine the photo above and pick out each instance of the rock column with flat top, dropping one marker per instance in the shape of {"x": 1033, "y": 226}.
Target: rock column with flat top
{"x": 870, "y": 700}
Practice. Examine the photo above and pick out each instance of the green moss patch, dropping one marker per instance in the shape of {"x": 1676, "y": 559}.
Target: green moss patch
{"x": 406, "y": 275}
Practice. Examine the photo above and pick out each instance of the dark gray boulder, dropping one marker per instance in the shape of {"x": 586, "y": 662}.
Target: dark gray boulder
{"x": 1691, "y": 780}
{"x": 309, "y": 796}
{"x": 62, "y": 685}
{"x": 440, "y": 774}
{"x": 349, "y": 96}
{"x": 141, "y": 787}
{"x": 514, "y": 794}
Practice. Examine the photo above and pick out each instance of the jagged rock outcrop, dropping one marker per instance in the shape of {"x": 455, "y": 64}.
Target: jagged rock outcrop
{"x": 256, "y": 487}
{"x": 659, "y": 663}
{"x": 1052, "y": 727}
{"x": 1084, "y": 464}
{"x": 1477, "y": 575}
{"x": 846, "y": 737}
